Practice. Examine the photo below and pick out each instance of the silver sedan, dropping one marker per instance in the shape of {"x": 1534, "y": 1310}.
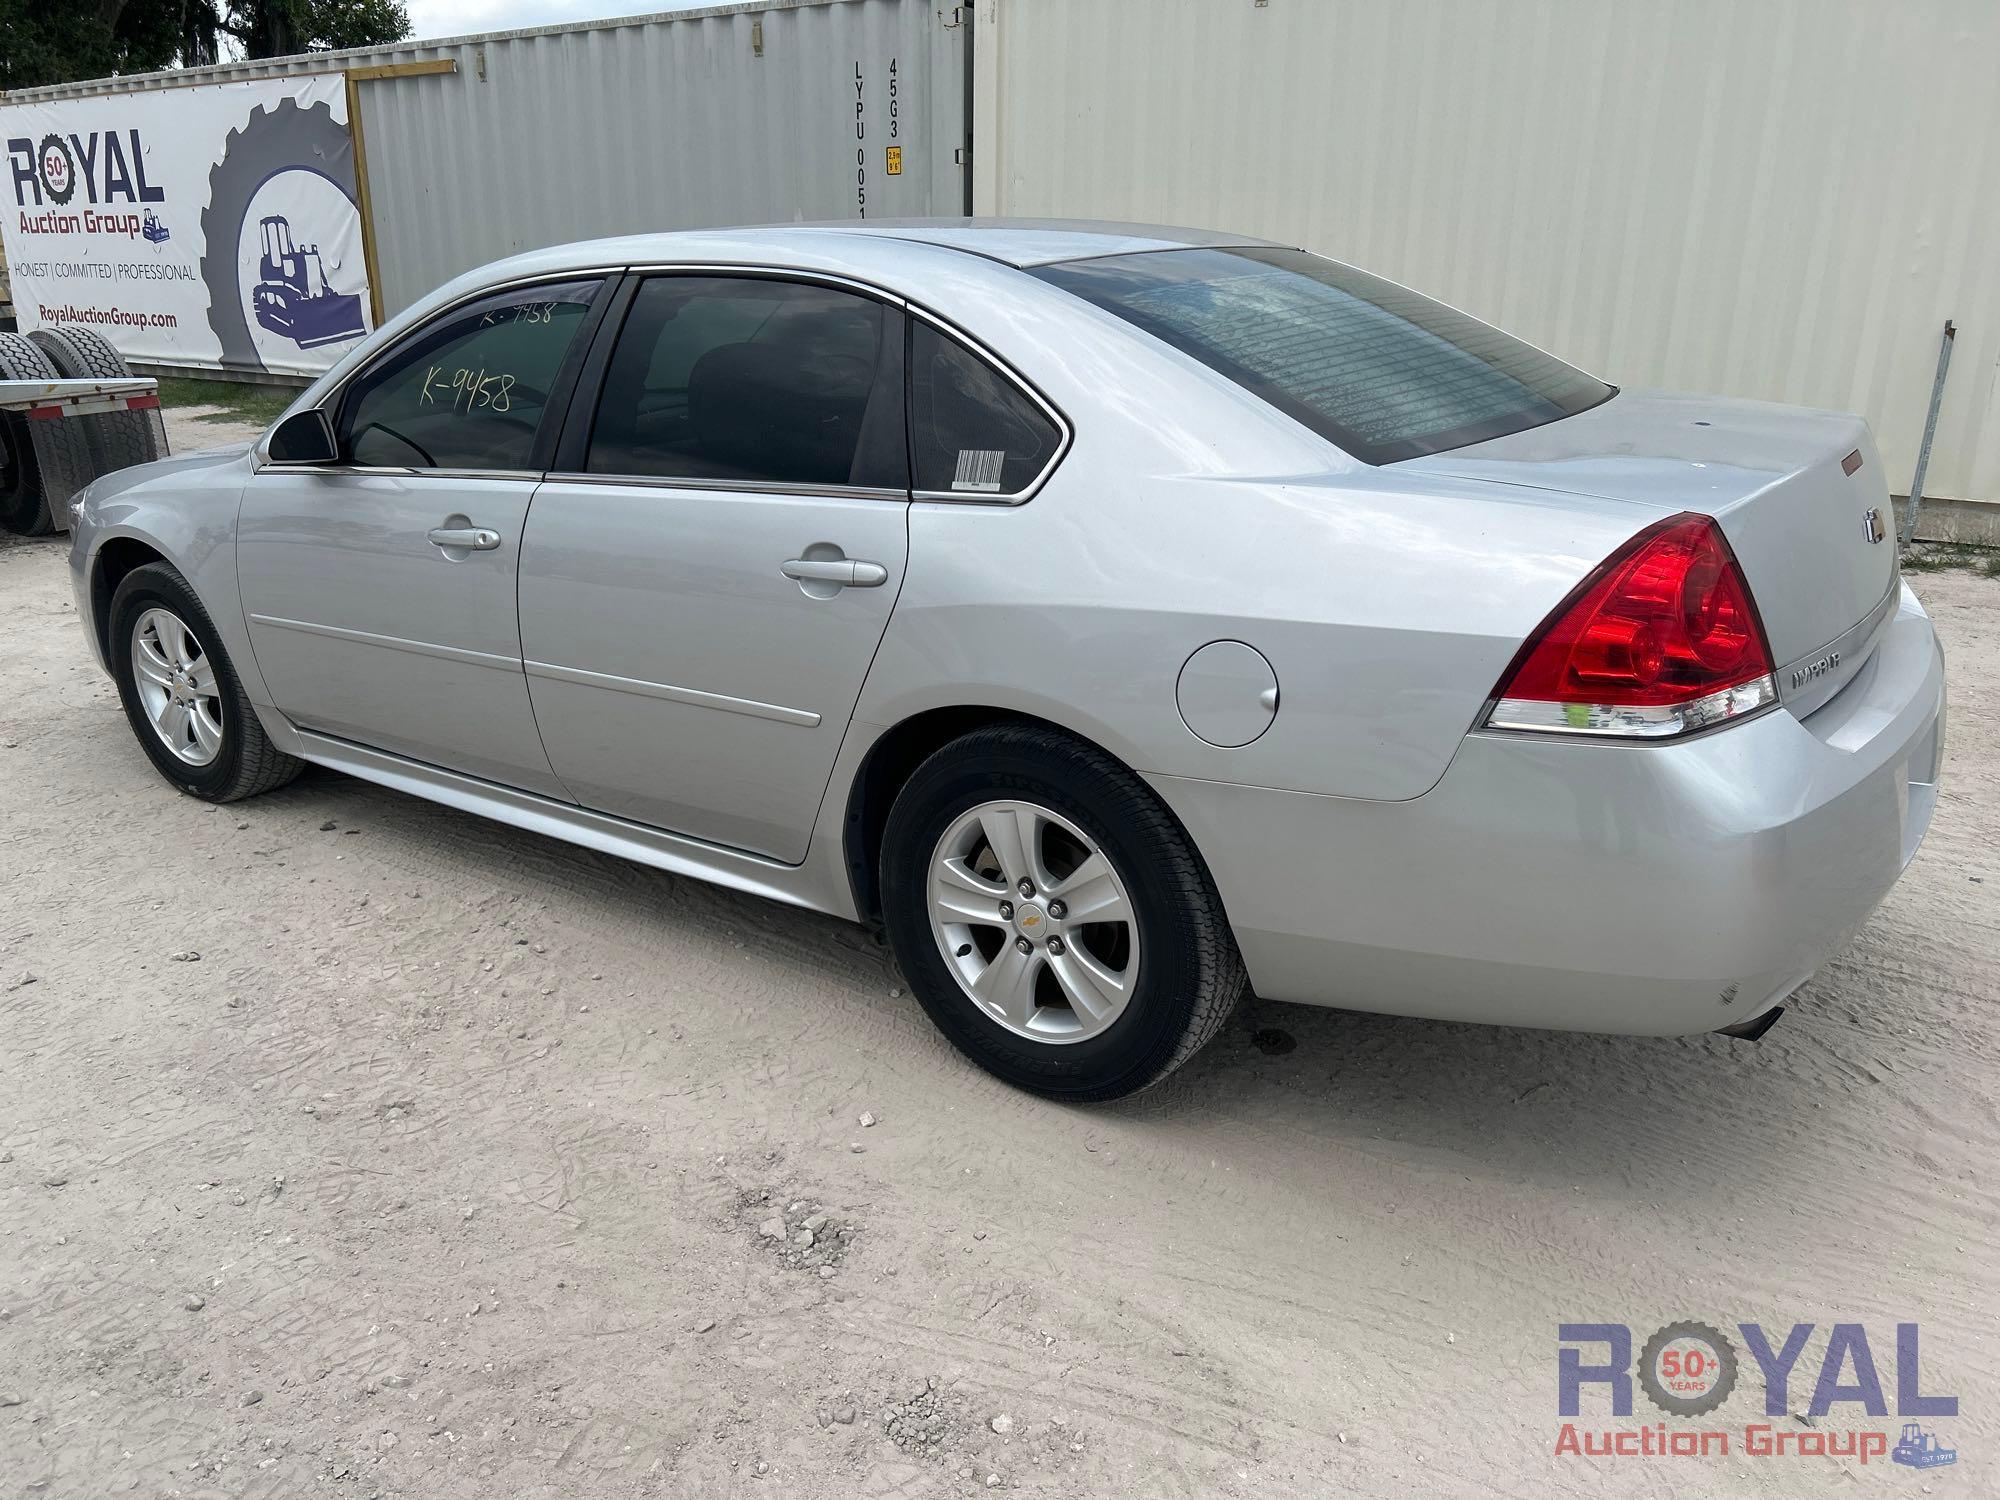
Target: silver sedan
{"x": 1116, "y": 616}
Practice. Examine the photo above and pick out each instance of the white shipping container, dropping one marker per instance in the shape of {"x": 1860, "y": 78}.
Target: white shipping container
{"x": 1782, "y": 200}
{"x": 735, "y": 114}
{"x": 740, "y": 115}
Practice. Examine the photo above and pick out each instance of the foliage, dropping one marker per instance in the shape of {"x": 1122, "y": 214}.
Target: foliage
{"x": 353, "y": 23}
{"x": 1932, "y": 557}
{"x": 43, "y": 42}
{"x": 227, "y": 400}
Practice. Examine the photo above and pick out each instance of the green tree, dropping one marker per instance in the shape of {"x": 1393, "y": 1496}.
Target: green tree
{"x": 43, "y": 43}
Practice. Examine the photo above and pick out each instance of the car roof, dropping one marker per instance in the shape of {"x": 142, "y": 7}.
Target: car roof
{"x": 1039, "y": 242}
{"x": 878, "y": 243}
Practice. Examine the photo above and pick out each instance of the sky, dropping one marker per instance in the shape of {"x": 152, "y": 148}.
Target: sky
{"x": 435, "y": 18}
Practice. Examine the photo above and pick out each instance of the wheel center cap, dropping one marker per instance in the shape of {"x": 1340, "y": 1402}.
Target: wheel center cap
{"x": 1031, "y": 919}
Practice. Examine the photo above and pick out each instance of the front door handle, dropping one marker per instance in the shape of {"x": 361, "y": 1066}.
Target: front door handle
{"x": 842, "y": 572}
{"x": 472, "y": 538}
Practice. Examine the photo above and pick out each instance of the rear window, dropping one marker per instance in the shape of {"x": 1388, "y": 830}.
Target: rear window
{"x": 1369, "y": 365}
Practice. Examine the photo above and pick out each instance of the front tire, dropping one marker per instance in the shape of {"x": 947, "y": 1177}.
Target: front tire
{"x": 182, "y": 695}
{"x": 1053, "y": 918}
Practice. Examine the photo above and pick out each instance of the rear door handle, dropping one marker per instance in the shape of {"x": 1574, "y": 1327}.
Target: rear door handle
{"x": 846, "y": 572}
{"x": 472, "y": 538}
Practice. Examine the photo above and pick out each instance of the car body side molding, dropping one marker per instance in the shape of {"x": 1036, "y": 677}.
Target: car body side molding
{"x": 394, "y": 643}
{"x": 776, "y": 712}
{"x": 819, "y": 884}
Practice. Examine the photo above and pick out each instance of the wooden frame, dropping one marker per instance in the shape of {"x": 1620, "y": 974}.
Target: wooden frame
{"x": 355, "y": 77}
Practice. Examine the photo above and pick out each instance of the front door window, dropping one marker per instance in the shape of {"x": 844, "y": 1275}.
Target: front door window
{"x": 471, "y": 391}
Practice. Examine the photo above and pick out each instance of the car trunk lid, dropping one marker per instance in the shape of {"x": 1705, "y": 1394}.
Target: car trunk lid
{"x": 1799, "y": 494}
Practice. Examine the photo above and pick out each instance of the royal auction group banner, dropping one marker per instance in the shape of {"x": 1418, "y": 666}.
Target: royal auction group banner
{"x": 194, "y": 226}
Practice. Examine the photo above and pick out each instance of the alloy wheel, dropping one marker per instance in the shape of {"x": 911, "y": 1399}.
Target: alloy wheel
{"x": 175, "y": 678}
{"x": 1034, "y": 922}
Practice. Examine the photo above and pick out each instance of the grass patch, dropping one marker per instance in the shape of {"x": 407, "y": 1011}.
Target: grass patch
{"x": 1935, "y": 557}
{"x": 234, "y": 400}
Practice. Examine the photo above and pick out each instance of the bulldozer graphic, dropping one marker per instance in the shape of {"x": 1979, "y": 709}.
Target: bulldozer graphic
{"x": 289, "y": 136}
{"x": 292, "y": 298}
{"x": 1920, "y": 1450}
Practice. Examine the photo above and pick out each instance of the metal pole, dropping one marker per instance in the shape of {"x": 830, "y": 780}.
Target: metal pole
{"x": 1930, "y": 430}
{"x": 971, "y": 36}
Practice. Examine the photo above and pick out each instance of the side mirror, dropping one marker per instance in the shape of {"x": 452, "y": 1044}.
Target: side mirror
{"x": 305, "y": 437}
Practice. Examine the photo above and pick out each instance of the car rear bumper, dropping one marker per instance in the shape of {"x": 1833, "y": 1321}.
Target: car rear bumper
{"x": 1648, "y": 889}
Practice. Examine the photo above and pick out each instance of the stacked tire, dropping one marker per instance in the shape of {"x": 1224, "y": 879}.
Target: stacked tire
{"x": 44, "y": 463}
{"x": 117, "y": 439}
{"x": 24, "y": 503}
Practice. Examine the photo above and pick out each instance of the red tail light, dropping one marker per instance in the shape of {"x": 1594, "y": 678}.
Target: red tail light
{"x": 1663, "y": 638}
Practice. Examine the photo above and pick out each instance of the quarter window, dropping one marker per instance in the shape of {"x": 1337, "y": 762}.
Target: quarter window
{"x": 472, "y": 390}
{"x": 755, "y": 380}
{"x": 972, "y": 430}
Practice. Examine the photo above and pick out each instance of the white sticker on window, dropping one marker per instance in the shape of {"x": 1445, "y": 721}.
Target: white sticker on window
{"x": 978, "y": 469}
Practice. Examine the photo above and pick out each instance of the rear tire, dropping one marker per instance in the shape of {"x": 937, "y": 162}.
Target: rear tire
{"x": 152, "y": 604}
{"x": 1101, "y": 1008}
{"x": 26, "y": 506}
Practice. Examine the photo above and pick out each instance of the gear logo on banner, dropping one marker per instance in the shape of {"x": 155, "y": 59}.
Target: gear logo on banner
{"x": 288, "y": 293}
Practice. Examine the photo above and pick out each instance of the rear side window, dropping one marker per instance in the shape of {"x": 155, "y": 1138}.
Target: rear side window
{"x": 972, "y": 430}
{"x": 754, "y": 380}
{"x": 1371, "y": 366}
{"x": 471, "y": 390}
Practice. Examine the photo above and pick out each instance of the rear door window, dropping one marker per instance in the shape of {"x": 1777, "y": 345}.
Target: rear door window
{"x": 1375, "y": 368}
{"x": 754, "y": 380}
{"x": 973, "y": 431}
{"x": 470, "y": 391}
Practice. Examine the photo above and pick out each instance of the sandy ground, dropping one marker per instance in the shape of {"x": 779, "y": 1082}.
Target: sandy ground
{"x": 445, "y": 1171}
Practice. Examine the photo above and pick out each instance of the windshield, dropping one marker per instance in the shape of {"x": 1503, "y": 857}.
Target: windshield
{"x": 1369, "y": 365}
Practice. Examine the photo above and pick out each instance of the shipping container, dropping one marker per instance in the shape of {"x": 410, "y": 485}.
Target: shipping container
{"x": 1782, "y": 200}
{"x": 477, "y": 147}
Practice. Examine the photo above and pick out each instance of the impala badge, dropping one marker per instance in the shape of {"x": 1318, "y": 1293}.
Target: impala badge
{"x": 1871, "y": 524}
{"x": 1803, "y": 675}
